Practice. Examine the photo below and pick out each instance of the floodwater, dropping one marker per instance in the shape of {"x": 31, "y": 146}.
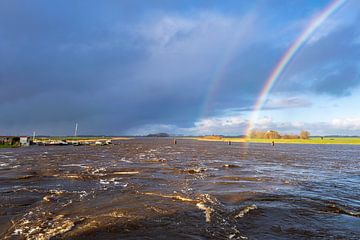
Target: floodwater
{"x": 153, "y": 189}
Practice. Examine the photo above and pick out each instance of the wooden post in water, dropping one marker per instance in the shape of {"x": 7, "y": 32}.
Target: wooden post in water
{"x": 273, "y": 143}
{"x": 175, "y": 142}
{"x": 229, "y": 143}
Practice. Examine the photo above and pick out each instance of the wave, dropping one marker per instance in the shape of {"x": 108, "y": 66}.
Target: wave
{"x": 230, "y": 166}
{"x": 245, "y": 210}
{"x": 334, "y": 208}
{"x": 45, "y": 226}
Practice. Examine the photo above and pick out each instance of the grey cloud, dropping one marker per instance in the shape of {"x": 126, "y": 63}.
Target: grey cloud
{"x": 340, "y": 82}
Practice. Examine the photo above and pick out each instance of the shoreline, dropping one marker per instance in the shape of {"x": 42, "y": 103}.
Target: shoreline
{"x": 318, "y": 141}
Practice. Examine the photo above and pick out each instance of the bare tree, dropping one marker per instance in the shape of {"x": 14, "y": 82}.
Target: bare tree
{"x": 290, "y": 136}
{"x": 304, "y": 135}
{"x": 272, "y": 135}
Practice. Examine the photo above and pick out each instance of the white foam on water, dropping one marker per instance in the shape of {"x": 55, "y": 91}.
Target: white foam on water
{"x": 4, "y": 164}
{"x": 74, "y": 165}
{"x": 245, "y": 210}
{"x": 31, "y": 226}
{"x": 174, "y": 197}
{"x": 207, "y": 210}
{"x": 124, "y": 160}
{"x": 104, "y": 182}
{"x": 125, "y": 173}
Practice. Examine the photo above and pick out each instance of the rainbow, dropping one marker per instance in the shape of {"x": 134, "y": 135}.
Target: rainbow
{"x": 314, "y": 24}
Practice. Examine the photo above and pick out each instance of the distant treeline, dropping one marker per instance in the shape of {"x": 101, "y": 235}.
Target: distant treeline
{"x": 276, "y": 135}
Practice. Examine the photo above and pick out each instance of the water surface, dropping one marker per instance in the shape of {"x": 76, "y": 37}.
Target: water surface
{"x": 152, "y": 189}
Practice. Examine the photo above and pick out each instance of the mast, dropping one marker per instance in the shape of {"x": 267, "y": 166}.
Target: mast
{"x": 76, "y": 129}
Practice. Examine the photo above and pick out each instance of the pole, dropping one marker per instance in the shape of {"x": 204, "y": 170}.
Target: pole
{"x": 76, "y": 129}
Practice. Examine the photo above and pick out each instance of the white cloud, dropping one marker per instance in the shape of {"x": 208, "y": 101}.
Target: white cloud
{"x": 288, "y": 102}
{"x": 236, "y": 125}
{"x": 205, "y": 27}
{"x": 233, "y": 125}
{"x": 349, "y": 124}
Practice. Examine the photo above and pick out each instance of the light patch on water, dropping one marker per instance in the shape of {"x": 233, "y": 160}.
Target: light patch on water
{"x": 74, "y": 165}
{"x": 195, "y": 170}
{"x": 82, "y": 194}
{"x": 99, "y": 170}
{"x": 124, "y": 160}
{"x": 199, "y": 204}
{"x": 114, "y": 181}
{"x": 115, "y": 214}
{"x": 72, "y": 176}
{"x": 125, "y": 173}
{"x": 157, "y": 210}
{"x": 31, "y": 227}
{"x": 4, "y": 164}
{"x": 174, "y": 197}
{"x": 175, "y": 153}
{"x": 105, "y": 182}
{"x": 245, "y": 211}
{"x": 207, "y": 210}
{"x": 5, "y": 156}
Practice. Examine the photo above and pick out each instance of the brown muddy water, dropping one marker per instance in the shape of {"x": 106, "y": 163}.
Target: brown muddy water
{"x": 152, "y": 189}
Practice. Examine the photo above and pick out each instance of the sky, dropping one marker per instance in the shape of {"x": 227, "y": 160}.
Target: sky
{"x": 135, "y": 67}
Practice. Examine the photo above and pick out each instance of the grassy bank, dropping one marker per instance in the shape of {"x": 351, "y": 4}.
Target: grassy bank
{"x": 315, "y": 140}
{"x": 7, "y": 146}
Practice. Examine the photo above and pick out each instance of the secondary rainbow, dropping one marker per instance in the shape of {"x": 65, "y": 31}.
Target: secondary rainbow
{"x": 233, "y": 46}
{"x": 315, "y": 23}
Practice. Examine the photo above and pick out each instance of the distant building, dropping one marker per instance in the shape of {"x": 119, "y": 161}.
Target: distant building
{"x": 24, "y": 141}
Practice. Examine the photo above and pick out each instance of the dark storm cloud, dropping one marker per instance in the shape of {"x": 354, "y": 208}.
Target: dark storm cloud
{"x": 118, "y": 65}
{"x": 340, "y": 82}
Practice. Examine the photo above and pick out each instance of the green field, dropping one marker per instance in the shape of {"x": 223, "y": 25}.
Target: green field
{"x": 6, "y": 146}
{"x": 314, "y": 140}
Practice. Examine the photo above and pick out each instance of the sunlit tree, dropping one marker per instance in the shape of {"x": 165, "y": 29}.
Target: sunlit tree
{"x": 272, "y": 135}
{"x": 304, "y": 135}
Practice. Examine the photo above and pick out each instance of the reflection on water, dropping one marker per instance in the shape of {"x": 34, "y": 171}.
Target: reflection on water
{"x": 150, "y": 188}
